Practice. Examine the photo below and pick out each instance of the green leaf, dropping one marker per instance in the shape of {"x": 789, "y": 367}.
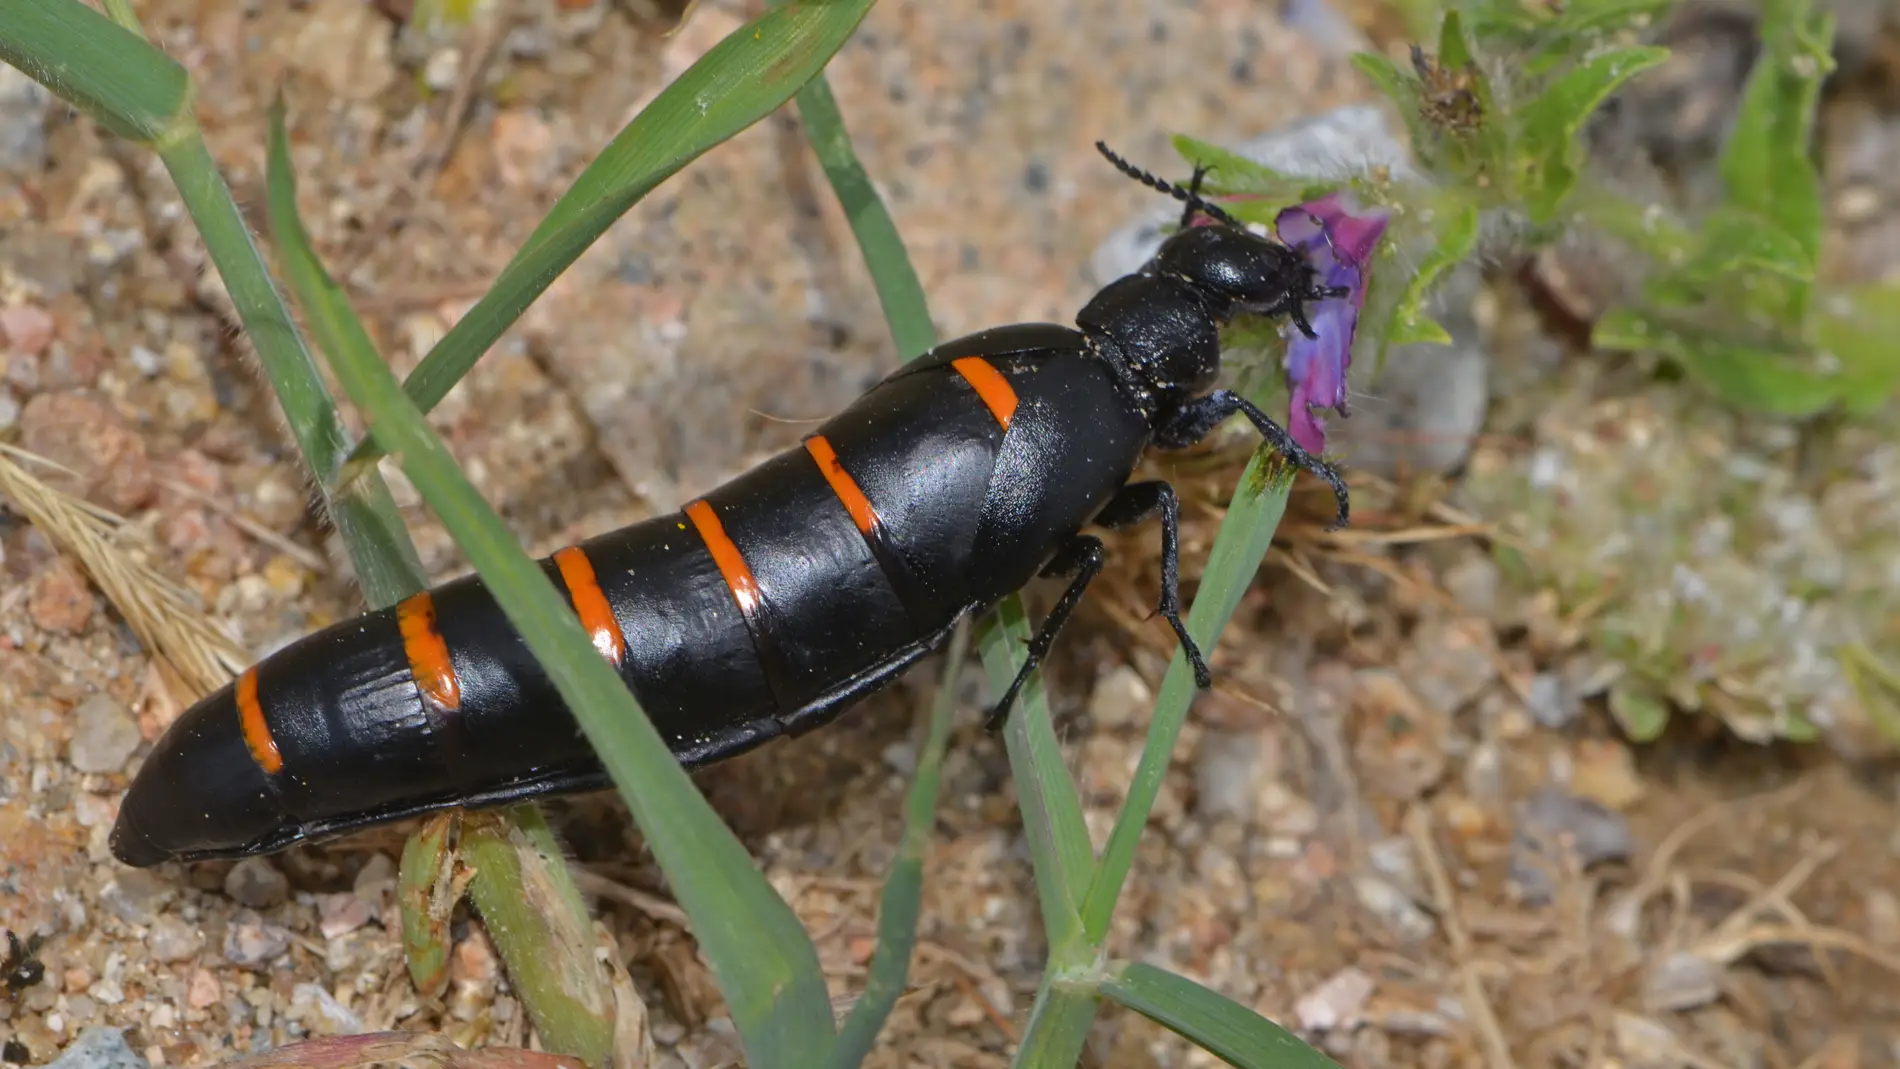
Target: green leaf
{"x": 1402, "y": 89}
{"x": 106, "y": 70}
{"x": 1766, "y": 165}
{"x": 1239, "y": 546}
{"x": 1059, "y": 846}
{"x": 1857, "y": 332}
{"x": 1457, "y": 238}
{"x": 903, "y": 888}
{"x": 1547, "y": 127}
{"x": 891, "y": 272}
{"x": 1736, "y": 240}
{"x": 1641, "y": 712}
{"x": 1218, "y": 1025}
{"x": 425, "y": 896}
{"x": 1742, "y": 374}
{"x": 744, "y": 78}
{"x": 1454, "y": 48}
{"x": 1232, "y": 174}
{"x": 762, "y": 958}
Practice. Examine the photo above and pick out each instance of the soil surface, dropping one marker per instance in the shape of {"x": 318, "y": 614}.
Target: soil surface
{"x": 1376, "y": 829}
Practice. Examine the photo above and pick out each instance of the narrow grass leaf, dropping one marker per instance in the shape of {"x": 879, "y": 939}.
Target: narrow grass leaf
{"x": 762, "y": 958}
{"x": 739, "y": 81}
{"x": 1059, "y": 1021}
{"x": 1058, "y": 838}
{"x": 1216, "y": 1024}
{"x": 891, "y": 272}
{"x": 903, "y": 888}
{"x": 388, "y": 568}
{"x": 1239, "y": 547}
{"x": 105, "y": 70}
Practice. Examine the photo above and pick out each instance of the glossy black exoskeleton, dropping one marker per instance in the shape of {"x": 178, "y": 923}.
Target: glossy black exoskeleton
{"x": 773, "y": 603}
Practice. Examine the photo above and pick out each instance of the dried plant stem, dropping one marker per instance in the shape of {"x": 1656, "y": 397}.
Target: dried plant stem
{"x": 159, "y": 612}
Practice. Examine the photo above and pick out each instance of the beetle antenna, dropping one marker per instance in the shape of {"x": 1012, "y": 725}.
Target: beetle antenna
{"x": 1191, "y": 197}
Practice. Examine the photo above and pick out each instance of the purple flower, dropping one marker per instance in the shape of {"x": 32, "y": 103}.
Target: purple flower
{"x": 1338, "y": 242}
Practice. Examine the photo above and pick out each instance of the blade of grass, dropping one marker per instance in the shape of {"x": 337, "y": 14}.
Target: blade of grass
{"x": 1222, "y": 1027}
{"x": 1239, "y": 547}
{"x": 741, "y": 923}
{"x": 762, "y": 958}
{"x": 1059, "y": 1022}
{"x": 140, "y": 93}
{"x": 903, "y": 888}
{"x": 552, "y": 960}
{"x": 105, "y": 70}
{"x": 742, "y": 79}
{"x": 563, "y": 988}
{"x": 891, "y": 271}
{"x": 1059, "y": 844}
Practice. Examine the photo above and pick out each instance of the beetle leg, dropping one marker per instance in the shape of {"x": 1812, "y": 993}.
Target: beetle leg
{"x": 1082, "y": 557}
{"x": 1137, "y": 502}
{"x": 1192, "y": 421}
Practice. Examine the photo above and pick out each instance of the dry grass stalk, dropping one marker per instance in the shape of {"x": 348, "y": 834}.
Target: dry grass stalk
{"x": 160, "y": 613}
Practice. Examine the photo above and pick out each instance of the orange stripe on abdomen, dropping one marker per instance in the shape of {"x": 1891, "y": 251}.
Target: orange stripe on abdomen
{"x": 257, "y": 736}
{"x": 842, "y": 484}
{"x": 590, "y": 604}
{"x": 990, "y": 385}
{"x": 732, "y": 565}
{"x": 428, "y": 654}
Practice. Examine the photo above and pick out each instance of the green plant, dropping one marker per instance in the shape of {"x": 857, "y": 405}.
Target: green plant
{"x": 763, "y": 960}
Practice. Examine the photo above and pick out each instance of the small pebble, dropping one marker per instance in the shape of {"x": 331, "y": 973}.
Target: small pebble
{"x": 136, "y": 895}
{"x": 1681, "y": 981}
{"x": 104, "y": 736}
{"x": 1394, "y": 908}
{"x": 1549, "y": 705}
{"x": 204, "y": 991}
{"x": 253, "y": 882}
{"x": 25, "y": 329}
{"x": 172, "y": 940}
{"x": 1338, "y": 1003}
{"x": 61, "y": 599}
{"x": 99, "y": 1048}
{"x": 341, "y": 914}
{"x": 1225, "y": 771}
{"x": 251, "y": 942}
{"x": 92, "y": 439}
{"x": 1121, "y": 700}
{"x": 312, "y": 1004}
{"x": 1552, "y": 818}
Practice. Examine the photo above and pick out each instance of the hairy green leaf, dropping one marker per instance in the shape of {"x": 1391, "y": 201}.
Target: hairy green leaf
{"x": 1642, "y": 713}
{"x": 1457, "y": 237}
{"x": 1778, "y": 381}
{"x": 1766, "y": 165}
{"x": 1547, "y": 127}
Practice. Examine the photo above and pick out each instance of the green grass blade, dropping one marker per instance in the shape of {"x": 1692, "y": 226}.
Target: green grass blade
{"x": 1218, "y": 1025}
{"x": 563, "y": 987}
{"x": 1059, "y": 1024}
{"x": 762, "y": 958}
{"x": 1239, "y": 546}
{"x": 106, "y": 70}
{"x": 903, "y": 888}
{"x": 551, "y": 960}
{"x": 1052, "y": 811}
{"x": 741, "y": 80}
{"x": 139, "y": 92}
{"x": 891, "y": 272}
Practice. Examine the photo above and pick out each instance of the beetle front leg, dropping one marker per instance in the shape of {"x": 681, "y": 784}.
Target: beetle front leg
{"x": 1082, "y": 557}
{"x": 1135, "y": 503}
{"x": 1192, "y": 421}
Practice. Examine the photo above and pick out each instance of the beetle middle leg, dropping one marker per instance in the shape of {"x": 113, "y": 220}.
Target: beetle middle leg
{"x": 1135, "y": 503}
{"x": 1081, "y": 557}
{"x": 1192, "y": 421}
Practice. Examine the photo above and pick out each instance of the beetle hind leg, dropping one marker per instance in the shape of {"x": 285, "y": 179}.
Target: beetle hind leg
{"x": 1138, "y": 502}
{"x": 1082, "y": 557}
